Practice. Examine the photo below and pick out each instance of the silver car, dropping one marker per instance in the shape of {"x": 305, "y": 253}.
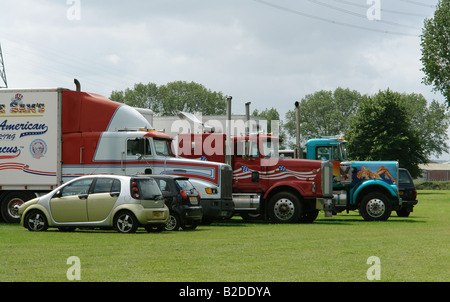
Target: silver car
{"x": 99, "y": 201}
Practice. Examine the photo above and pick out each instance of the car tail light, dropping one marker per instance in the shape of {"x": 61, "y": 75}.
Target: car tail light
{"x": 183, "y": 194}
{"x": 134, "y": 190}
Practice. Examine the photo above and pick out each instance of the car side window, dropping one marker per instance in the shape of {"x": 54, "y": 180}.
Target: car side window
{"x": 163, "y": 185}
{"x": 106, "y": 185}
{"x": 79, "y": 187}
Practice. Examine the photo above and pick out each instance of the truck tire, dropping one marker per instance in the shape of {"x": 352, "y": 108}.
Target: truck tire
{"x": 375, "y": 206}
{"x": 309, "y": 217}
{"x": 284, "y": 207}
{"x": 10, "y": 202}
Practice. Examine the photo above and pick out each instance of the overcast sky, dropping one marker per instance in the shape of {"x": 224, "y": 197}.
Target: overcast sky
{"x": 268, "y": 52}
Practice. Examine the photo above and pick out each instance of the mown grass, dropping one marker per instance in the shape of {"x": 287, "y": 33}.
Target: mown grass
{"x": 330, "y": 249}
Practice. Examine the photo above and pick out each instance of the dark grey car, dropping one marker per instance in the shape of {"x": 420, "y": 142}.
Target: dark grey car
{"x": 183, "y": 201}
{"x": 408, "y": 193}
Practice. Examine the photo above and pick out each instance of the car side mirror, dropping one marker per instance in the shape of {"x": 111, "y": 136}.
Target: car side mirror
{"x": 58, "y": 194}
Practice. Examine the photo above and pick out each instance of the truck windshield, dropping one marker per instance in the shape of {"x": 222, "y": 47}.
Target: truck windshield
{"x": 163, "y": 147}
{"x": 343, "y": 151}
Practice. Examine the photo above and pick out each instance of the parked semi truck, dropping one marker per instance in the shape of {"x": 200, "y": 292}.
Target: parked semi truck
{"x": 49, "y": 136}
{"x": 368, "y": 186}
{"x": 264, "y": 186}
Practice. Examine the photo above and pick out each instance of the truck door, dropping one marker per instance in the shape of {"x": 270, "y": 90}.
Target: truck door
{"x": 331, "y": 153}
{"x": 70, "y": 203}
{"x": 137, "y": 150}
{"x": 248, "y": 172}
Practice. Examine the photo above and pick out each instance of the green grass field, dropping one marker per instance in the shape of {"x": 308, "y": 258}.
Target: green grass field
{"x": 330, "y": 249}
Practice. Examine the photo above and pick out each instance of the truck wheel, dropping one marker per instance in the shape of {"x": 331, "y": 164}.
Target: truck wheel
{"x": 375, "y": 207}
{"x": 10, "y": 205}
{"x": 309, "y": 217}
{"x": 284, "y": 208}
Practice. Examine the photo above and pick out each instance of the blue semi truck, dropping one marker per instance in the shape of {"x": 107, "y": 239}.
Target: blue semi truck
{"x": 368, "y": 186}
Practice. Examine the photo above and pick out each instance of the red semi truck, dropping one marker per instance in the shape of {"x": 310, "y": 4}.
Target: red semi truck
{"x": 49, "y": 136}
{"x": 265, "y": 186}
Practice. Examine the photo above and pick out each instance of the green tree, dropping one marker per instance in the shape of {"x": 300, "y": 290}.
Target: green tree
{"x": 324, "y": 113}
{"x": 431, "y": 122}
{"x": 382, "y": 130}
{"x": 273, "y": 115}
{"x": 435, "y": 43}
{"x": 141, "y": 96}
{"x": 172, "y": 97}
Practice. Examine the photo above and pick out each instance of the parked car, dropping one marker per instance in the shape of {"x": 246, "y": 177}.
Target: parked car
{"x": 122, "y": 202}
{"x": 408, "y": 193}
{"x": 183, "y": 201}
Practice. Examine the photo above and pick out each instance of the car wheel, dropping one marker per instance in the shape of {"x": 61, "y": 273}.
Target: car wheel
{"x": 151, "y": 228}
{"x": 375, "y": 207}
{"x": 403, "y": 212}
{"x": 284, "y": 208}
{"x": 190, "y": 226}
{"x": 125, "y": 222}
{"x": 36, "y": 221}
{"x": 174, "y": 222}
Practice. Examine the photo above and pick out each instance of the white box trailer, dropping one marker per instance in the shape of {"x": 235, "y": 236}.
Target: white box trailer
{"x": 30, "y": 144}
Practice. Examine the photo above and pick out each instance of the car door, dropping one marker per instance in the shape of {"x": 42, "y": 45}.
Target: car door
{"x": 102, "y": 198}
{"x": 69, "y": 203}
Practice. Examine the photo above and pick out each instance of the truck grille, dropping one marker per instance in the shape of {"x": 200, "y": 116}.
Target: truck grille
{"x": 327, "y": 179}
{"x": 226, "y": 182}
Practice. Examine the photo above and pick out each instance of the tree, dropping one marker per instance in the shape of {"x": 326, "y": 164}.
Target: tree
{"x": 431, "y": 122}
{"x": 435, "y": 43}
{"x": 172, "y": 97}
{"x": 324, "y": 113}
{"x": 382, "y": 130}
{"x": 273, "y": 115}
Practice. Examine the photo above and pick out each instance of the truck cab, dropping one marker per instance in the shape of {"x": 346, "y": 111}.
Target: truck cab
{"x": 368, "y": 186}
{"x": 264, "y": 185}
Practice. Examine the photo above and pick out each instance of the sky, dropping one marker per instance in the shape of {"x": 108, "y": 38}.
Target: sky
{"x": 267, "y": 52}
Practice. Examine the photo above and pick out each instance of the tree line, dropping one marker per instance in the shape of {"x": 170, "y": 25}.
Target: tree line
{"x": 385, "y": 126}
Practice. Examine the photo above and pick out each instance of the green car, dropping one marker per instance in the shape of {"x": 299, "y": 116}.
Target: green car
{"x": 99, "y": 201}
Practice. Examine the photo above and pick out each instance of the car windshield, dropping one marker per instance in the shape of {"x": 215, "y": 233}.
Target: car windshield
{"x": 148, "y": 188}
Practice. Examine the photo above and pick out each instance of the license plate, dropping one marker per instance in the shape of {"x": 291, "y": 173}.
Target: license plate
{"x": 158, "y": 214}
{"x": 401, "y": 192}
{"x": 193, "y": 199}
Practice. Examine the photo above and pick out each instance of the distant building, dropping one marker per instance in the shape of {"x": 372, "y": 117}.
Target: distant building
{"x": 435, "y": 171}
